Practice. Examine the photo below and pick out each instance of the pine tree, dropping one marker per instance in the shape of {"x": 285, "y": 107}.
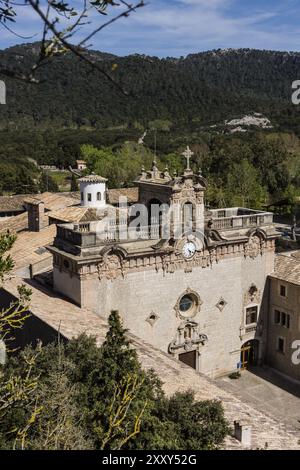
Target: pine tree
{"x": 74, "y": 185}
{"x": 117, "y": 357}
{"x": 48, "y": 184}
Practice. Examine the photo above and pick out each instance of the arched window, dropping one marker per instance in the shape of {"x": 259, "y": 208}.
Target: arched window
{"x": 99, "y": 196}
{"x": 155, "y": 218}
{"x": 188, "y": 216}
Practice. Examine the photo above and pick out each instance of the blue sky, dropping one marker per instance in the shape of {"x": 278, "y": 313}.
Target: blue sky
{"x": 179, "y": 27}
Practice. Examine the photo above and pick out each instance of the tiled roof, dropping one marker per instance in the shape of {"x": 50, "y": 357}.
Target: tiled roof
{"x": 25, "y": 249}
{"x": 14, "y": 224}
{"x": 92, "y": 179}
{"x": 56, "y": 201}
{"x": 12, "y": 203}
{"x": 52, "y": 201}
{"x": 287, "y": 268}
{"x": 75, "y": 214}
{"x": 132, "y": 195}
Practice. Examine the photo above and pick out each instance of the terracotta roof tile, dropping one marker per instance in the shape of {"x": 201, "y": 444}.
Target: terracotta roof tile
{"x": 287, "y": 268}
{"x": 132, "y": 195}
{"x": 12, "y": 203}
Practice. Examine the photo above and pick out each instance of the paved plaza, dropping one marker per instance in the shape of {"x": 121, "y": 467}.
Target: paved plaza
{"x": 269, "y": 392}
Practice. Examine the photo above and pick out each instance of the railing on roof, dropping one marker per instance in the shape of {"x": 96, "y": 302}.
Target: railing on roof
{"x": 85, "y": 235}
{"x": 239, "y": 218}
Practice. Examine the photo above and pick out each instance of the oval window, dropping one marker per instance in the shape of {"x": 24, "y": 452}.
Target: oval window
{"x": 186, "y": 303}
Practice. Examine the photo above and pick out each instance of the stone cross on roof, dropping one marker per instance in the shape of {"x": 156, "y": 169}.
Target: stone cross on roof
{"x": 188, "y": 155}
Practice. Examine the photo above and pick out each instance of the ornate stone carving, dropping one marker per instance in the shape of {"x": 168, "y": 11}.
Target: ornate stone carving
{"x": 252, "y": 296}
{"x": 187, "y": 338}
{"x": 254, "y": 247}
{"x": 110, "y": 267}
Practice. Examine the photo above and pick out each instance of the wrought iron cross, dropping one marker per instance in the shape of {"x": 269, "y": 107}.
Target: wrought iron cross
{"x": 188, "y": 155}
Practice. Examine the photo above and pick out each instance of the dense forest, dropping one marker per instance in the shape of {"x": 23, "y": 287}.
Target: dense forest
{"x": 193, "y": 92}
{"x": 75, "y": 113}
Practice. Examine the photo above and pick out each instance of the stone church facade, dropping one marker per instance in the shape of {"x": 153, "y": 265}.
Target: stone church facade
{"x": 191, "y": 285}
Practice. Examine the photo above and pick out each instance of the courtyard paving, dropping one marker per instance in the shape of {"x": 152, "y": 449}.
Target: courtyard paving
{"x": 269, "y": 392}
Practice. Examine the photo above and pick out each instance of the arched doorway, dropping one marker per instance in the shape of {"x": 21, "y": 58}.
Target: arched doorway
{"x": 249, "y": 354}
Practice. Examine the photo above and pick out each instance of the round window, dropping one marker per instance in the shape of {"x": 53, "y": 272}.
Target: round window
{"x": 186, "y": 304}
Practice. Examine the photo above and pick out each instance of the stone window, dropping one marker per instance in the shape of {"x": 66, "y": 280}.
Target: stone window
{"x": 282, "y": 290}
{"x": 285, "y": 320}
{"x": 281, "y": 345}
{"x": 221, "y": 304}
{"x": 188, "y": 304}
{"x": 81, "y": 196}
{"x": 282, "y": 319}
{"x": 99, "y": 196}
{"x": 188, "y": 215}
{"x": 251, "y": 315}
{"x": 152, "y": 318}
{"x": 277, "y": 316}
{"x": 89, "y": 197}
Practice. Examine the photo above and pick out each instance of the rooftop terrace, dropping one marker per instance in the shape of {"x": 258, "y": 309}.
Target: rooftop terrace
{"x": 239, "y": 217}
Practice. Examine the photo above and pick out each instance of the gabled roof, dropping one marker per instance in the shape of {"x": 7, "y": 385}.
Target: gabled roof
{"x": 287, "y": 268}
{"x": 12, "y": 203}
{"x": 75, "y": 214}
{"x": 132, "y": 195}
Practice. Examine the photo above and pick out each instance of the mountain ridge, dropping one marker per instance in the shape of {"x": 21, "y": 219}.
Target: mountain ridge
{"x": 199, "y": 89}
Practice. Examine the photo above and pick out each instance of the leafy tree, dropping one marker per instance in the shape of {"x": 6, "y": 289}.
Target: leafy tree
{"x": 110, "y": 402}
{"x": 121, "y": 165}
{"x": 243, "y": 186}
{"x": 16, "y": 390}
{"x": 199, "y": 425}
{"x": 58, "y": 424}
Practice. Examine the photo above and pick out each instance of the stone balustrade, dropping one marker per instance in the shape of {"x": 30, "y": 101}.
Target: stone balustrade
{"x": 253, "y": 219}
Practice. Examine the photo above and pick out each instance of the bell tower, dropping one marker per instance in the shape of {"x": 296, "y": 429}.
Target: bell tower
{"x": 184, "y": 195}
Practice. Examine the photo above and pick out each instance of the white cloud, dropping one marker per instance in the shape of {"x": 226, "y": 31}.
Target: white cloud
{"x": 179, "y": 27}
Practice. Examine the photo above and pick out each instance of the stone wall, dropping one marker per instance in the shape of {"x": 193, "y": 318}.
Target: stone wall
{"x": 140, "y": 294}
{"x": 289, "y": 305}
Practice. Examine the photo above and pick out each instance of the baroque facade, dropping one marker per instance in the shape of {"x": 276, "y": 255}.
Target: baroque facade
{"x": 189, "y": 280}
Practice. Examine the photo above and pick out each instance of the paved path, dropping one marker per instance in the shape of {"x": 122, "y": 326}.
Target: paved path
{"x": 268, "y": 392}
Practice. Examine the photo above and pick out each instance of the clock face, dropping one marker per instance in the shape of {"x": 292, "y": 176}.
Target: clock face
{"x": 188, "y": 250}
